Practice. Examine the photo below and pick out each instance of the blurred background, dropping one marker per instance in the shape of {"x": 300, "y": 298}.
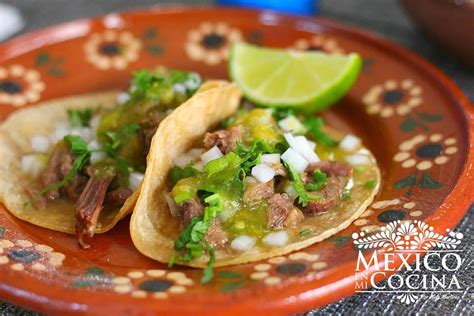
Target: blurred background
{"x": 442, "y": 31}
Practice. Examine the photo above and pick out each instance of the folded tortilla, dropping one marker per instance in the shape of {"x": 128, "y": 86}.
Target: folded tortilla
{"x": 153, "y": 228}
{"x": 15, "y": 141}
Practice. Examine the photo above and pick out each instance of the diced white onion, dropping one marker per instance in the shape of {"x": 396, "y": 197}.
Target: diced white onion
{"x": 32, "y": 165}
{"x": 123, "y": 97}
{"x": 349, "y": 184}
{"x": 290, "y": 190}
{"x": 243, "y": 243}
{"x": 276, "y": 239}
{"x": 193, "y": 82}
{"x": 180, "y": 88}
{"x": 96, "y": 156}
{"x": 61, "y": 130}
{"x": 190, "y": 156}
{"x": 199, "y": 165}
{"x": 312, "y": 145}
{"x": 211, "y": 154}
{"x": 40, "y": 143}
{"x": 84, "y": 132}
{"x": 295, "y": 160}
{"x": 134, "y": 180}
{"x": 174, "y": 210}
{"x": 263, "y": 172}
{"x": 350, "y": 143}
{"x": 304, "y": 149}
{"x": 358, "y": 159}
{"x": 270, "y": 158}
{"x": 292, "y": 124}
{"x": 94, "y": 123}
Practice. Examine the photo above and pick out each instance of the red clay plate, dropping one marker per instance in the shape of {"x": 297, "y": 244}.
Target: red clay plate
{"x": 416, "y": 121}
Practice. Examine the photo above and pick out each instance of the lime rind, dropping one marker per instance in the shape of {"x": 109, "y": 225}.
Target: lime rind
{"x": 327, "y": 94}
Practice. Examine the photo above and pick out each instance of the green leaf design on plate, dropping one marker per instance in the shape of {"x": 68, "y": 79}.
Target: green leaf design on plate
{"x": 154, "y": 50}
{"x": 430, "y": 117}
{"x": 56, "y": 72}
{"x": 42, "y": 59}
{"x": 367, "y": 63}
{"x": 150, "y": 33}
{"x": 408, "y": 125}
{"x": 406, "y": 182}
{"x": 2, "y": 231}
{"x": 229, "y": 287}
{"x": 95, "y": 271}
{"x": 255, "y": 37}
{"x": 229, "y": 275}
{"x": 85, "y": 283}
{"x": 340, "y": 240}
{"x": 426, "y": 182}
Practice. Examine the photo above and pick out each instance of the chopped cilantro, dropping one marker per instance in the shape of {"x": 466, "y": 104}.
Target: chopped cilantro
{"x": 314, "y": 197}
{"x": 250, "y": 156}
{"x": 281, "y": 113}
{"x": 359, "y": 168}
{"x": 346, "y": 195}
{"x": 208, "y": 272}
{"x": 370, "y": 184}
{"x": 303, "y": 198}
{"x": 113, "y": 141}
{"x": 178, "y": 173}
{"x": 305, "y": 232}
{"x": 314, "y": 124}
{"x": 320, "y": 179}
{"x": 80, "y": 118}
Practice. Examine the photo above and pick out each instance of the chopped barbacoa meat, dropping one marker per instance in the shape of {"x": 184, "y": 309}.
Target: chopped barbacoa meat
{"x": 151, "y": 125}
{"x": 118, "y": 196}
{"x": 279, "y": 206}
{"x": 74, "y": 187}
{"x": 295, "y": 216}
{"x": 89, "y": 206}
{"x": 256, "y": 191}
{"x": 215, "y": 235}
{"x": 226, "y": 140}
{"x": 59, "y": 165}
{"x": 191, "y": 208}
{"x": 332, "y": 168}
{"x": 329, "y": 196}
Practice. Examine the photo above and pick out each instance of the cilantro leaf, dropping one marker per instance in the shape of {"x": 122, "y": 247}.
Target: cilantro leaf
{"x": 370, "y": 184}
{"x": 303, "y": 198}
{"x": 320, "y": 178}
{"x": 208, "y": 272}
{"x": 178, "y": 173}
{"x": 314, "y": 124}
{"x": 114, "y": 140}
{"x": 76, "y": 143}
{"x": 80, "y": 118}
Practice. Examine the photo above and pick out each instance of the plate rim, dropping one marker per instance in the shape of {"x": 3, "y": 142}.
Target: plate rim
{"x": 308, "y": 295}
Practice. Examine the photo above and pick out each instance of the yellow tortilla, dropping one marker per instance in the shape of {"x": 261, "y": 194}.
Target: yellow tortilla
{"x": 15, "y": 141}
{"x": 154, "y": 230}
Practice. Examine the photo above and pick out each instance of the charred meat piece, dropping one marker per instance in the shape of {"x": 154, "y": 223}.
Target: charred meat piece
{"x": 255, "y": 191}
{"x": 118, "y": 196}
{"x": 279, "y": 206}
{"x": 332, "y": 168}
{"x": 225, "y": 140}
{"x": 216, "y": 236}
{"x": 330, "y": 195}
{"x": 89, "y": 206}
{"x": 191, "y": 208}
{"x": 59, "y": 164}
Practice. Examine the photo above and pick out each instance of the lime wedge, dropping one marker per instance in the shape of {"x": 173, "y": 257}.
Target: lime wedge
{"x": 284, "y": 78}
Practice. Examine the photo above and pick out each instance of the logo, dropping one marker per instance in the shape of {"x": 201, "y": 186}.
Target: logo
{"x": 434, "y": 261}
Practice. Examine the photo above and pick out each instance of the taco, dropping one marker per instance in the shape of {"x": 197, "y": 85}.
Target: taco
{"x": 228, "y": 185}
{"x": 75, "y": 164}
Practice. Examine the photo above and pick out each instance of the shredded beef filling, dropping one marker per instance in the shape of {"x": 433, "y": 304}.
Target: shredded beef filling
{"x": 59, "y": 165}
{"x": 226, "y": 140}
{"x": 258, "y": 191}
{"x": 88, "y": 207}
{"x": 118, "y": 196}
